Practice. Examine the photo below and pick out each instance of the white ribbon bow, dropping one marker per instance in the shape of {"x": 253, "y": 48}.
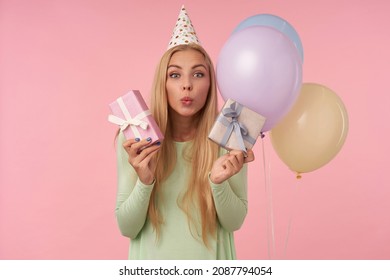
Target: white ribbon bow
{"x": 129, "y": 121}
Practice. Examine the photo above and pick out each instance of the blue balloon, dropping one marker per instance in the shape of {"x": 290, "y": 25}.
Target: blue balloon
{"x": 274, "y": 22}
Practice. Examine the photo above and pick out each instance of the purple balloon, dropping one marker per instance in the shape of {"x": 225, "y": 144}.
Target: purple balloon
{"x": 260, "y": 68}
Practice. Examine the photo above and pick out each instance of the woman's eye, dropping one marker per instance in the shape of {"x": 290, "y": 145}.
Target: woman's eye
{"x": 174, "y": 75}
{"x": 198, "y": 75}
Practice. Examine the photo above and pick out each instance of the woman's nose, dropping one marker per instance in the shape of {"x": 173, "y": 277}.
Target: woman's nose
{"x": 187, "y": 85}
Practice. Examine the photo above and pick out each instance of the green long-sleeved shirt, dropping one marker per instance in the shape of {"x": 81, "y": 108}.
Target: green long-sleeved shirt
{"x": 176, "y": 241}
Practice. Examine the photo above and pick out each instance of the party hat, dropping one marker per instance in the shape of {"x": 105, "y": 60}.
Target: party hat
{"x": 184, "y": 32}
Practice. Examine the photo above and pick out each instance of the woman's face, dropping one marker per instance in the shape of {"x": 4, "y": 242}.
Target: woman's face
{"x": 188, "y": 82}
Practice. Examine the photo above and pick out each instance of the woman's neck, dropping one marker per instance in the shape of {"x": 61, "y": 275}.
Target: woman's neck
{"x": 183, "y": 128}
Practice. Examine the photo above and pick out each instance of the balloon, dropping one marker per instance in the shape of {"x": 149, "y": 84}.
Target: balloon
{"x": 313, "y": 132}
{"x": 276, "y": 22}
{"x": 260, "y": 68}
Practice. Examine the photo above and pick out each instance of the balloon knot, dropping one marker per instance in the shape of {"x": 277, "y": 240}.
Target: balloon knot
{"x": 262, "y": 135}
{"x": 299, "y": 176}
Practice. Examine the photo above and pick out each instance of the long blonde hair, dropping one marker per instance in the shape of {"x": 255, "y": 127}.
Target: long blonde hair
{"x": 198, "y": 194}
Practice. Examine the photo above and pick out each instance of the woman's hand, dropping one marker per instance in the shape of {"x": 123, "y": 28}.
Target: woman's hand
{"x": 229, "y": 164}
{"x": 141, "y": 158}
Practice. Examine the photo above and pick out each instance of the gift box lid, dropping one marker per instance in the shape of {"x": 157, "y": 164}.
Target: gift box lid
{"x": 132, "y": 115}
{"x": 237, "y": 127}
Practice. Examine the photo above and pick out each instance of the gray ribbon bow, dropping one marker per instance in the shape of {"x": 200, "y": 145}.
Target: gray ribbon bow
{"x": 240, "y": 130}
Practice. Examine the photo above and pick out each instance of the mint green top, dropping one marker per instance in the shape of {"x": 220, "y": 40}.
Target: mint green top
{"x": 177, "y": 241}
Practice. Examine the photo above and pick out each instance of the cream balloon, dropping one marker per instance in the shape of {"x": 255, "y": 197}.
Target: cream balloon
{"x": 313, "y": 131}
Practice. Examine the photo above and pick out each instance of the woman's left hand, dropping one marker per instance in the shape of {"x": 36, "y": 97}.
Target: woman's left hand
{"x": 229, "y": 164}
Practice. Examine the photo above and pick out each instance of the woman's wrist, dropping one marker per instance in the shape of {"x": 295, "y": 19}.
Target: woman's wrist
{"x": 214, "y": 180}
{"x": 148, "y": 181}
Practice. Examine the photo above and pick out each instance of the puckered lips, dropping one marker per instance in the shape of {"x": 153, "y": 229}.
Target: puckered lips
{"x": 186, "y": 100}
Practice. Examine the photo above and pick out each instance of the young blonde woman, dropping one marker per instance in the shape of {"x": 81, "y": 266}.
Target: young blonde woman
{"x": 182, "y": 198}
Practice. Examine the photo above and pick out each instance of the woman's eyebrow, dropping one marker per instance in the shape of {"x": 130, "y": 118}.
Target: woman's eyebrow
{"x": 173, "y": 65}
{"x": 193, "y": 67}
{"x": 199, "y": 65}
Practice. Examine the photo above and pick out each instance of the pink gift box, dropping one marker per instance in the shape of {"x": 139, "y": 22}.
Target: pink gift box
{"x": 236, "y": 127}
{"x": 132, "y": 115}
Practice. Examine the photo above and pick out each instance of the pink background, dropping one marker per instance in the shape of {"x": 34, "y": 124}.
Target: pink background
{"x": 63, "y": 62}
